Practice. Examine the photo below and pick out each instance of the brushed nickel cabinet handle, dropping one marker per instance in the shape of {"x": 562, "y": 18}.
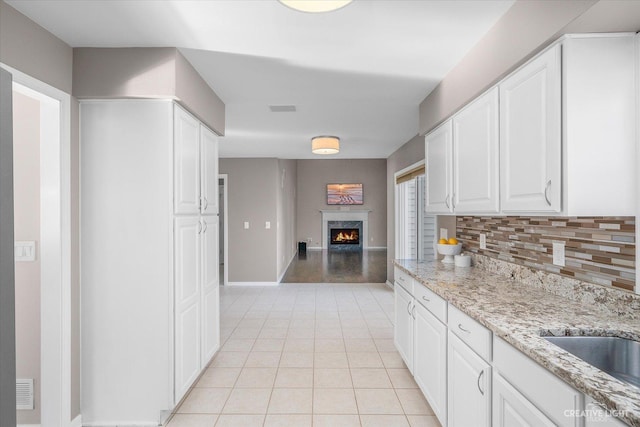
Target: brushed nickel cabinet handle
{"x": 463, "y": 329}
{"x": 479, "y": 378}
{"x": 546, "y": 190}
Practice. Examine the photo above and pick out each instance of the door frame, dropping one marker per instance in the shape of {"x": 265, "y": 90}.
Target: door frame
{"x": 225, "y": 227}
{"x": 55, "y": 247}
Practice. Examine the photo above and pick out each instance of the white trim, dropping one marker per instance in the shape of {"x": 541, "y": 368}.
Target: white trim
{"x": 28, "y": 425}
{"x": 344, "y": 215}
{"x": 376, "y": 248}
{"x": 77, "y": 421}
{"x": 225, "y": 227}
{"x": 416, "y": 165}
{"x": 284, "y": 271}
{"x": 389, "y": 284}
{"x": 396, "y": 223}
{"x": 55, "y": 247}
{"x": 253, "y": 284}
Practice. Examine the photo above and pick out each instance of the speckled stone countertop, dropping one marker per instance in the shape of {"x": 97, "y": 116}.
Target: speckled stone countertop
{"x": 520, "y": 314}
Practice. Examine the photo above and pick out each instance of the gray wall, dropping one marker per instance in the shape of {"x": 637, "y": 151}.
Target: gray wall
{"x": 523, "y": 30}
{"x": 29, "y": 48}
{"x": 7, "y": 288}
{"x": 26, "y": 184}
{"x": 286, "y": 201}
{"x": 313, "y": 177}
{"x": 252, "y": 196}
{"x": 149, "y": 72}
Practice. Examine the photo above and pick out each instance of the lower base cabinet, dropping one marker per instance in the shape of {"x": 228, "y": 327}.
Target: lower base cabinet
{"x": 469, "y": 386}
{"x": 512, "y": 409}
{"x": 403, "y": 327}
{"x": 430, "y": 360}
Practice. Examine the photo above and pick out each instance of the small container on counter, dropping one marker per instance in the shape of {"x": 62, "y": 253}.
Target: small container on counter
{"x": 463, "y": 260}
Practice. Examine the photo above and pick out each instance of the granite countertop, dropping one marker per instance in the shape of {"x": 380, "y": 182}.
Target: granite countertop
{"x": 520, "y": 314}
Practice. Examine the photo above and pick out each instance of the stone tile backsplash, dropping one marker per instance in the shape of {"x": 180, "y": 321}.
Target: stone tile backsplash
{"x": 598, "y": 250}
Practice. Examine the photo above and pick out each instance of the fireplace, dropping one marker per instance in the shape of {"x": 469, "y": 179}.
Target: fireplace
{"x": 345, "y": 236}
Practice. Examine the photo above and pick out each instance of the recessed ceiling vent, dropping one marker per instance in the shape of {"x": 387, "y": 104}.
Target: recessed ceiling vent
{"x": 24, "y": 394}
{"x": 282, "y": 108}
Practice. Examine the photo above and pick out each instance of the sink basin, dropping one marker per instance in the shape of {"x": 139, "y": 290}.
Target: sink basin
{"x": 618, "y": 357}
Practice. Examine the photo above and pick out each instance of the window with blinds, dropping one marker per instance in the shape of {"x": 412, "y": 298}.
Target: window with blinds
{"x": 415, "y": 230}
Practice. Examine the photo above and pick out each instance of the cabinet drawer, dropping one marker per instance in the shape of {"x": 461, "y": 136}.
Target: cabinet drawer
{"x": 471, "y": 332}
{"x": 432, "y": 302}
{"x": 543, "y": 389}
{"x": 404, "y": 280}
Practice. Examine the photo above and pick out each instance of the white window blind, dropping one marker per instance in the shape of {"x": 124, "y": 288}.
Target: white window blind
{"x": 415, "y": 230}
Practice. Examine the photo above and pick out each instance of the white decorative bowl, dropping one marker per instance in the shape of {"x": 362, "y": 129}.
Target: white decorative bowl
{"x": 449, "y": 251}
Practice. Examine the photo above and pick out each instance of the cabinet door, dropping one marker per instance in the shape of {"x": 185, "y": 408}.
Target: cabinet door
{"x": 187, "y": 303}
{"x": 530, "y": 137}
{"x": 186, "y": 166}
{"x": 210, "y": 289}
{"x": 476, "y": 156}
{"x": 403, "y": 327}
{"x": 209, "y": 171}
{"x": 430, "y": 360}
{"x": 469, "y": 386}
{"x": 512, "y": 409}
{"x": 438, "y": 152}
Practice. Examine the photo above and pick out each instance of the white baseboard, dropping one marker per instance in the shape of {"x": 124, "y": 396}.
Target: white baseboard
{"x": 27, "y": 425}
{"x": 315, "y": 248}
{"x": 375, "y": 248}
{"x": 389, "y": 284}
{"x": 121, "y": 424}
{"x": 253, "y": 284}
{"x": 76, "y": 422}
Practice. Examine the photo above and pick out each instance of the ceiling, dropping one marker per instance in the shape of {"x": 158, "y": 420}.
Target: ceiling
{"x": 359, "y": 72}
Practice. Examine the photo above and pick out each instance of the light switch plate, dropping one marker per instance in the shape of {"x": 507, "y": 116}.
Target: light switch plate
{"x": 246, "y": 225}
{"x": 267, "y": 225}
{"x": 24, "y": 251}
{"x": 558, "y": 254}
{"x": 483, "y": 241}
{"x": 444, "y": 233}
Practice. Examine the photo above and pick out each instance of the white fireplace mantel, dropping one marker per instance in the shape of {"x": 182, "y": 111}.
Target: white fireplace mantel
{"x": 346, "y": 215}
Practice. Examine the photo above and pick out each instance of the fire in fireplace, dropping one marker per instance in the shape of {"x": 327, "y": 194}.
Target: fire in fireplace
{"x": 345, "y": 236}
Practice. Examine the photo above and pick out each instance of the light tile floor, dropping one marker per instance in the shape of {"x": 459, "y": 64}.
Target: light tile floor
{"x": 306, "y": 355}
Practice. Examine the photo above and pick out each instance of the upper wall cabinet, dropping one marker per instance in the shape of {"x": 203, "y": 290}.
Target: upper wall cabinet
{"x": 567, "y": 137}
{"x": 438, "y": 161}
{"x": 195, "y": 165}
{"x": 599, "y": 128}
{"x": 530, "y": 136}
{"x": 476, "y": 156}
{"x": 462, "y": 160}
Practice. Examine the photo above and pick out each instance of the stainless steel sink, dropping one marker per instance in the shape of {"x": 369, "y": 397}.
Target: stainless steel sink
{"x": 618, "y": 357}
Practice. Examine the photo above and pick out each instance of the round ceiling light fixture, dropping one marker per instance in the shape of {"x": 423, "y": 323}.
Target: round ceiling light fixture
{"x": 315, "y": 6}
{"x": 325, "y": 144}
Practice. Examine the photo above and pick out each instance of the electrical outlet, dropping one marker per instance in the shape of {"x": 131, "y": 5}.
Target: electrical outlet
{"x": 558, "y": 254}
{"x": 483, "y": 241}
{"x": 246, "y": 225}
{"x": 444, "y": 233}
{"x": 267, "y": 225}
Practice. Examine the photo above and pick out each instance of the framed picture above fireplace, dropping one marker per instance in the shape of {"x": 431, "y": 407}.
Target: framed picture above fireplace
{"x": 344, "y": 194}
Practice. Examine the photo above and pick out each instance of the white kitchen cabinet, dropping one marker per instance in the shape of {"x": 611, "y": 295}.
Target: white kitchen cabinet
{"x": 438, "y": 168}
{"x": 403, "y": 325}
{"x": 150, "y": 315}
{"x": 476, "y": 156}
{"x": 531, "y": 136}
{"x": 512, "y": 409}
{"x": 469, "y": 386}
{"x": 430, "y": 360}
{"x": 186, "y": 163}
{"x": 210, "y": 289}
{"x": 209, "y": 171}
{"x": 187, "y": 302}
{"x": 552, "y": 396}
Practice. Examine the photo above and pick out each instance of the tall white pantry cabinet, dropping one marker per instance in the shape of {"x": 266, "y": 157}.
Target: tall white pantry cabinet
{"x": 149, "y": 264}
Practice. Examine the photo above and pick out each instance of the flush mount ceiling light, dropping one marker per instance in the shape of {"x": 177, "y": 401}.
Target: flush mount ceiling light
{"x": 315, "y": 6}
{"x": 325, "y": 145}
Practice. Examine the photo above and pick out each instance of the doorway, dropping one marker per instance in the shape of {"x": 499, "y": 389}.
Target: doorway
{"x": 222, "y": 223}
{"x": 52, "y": 247}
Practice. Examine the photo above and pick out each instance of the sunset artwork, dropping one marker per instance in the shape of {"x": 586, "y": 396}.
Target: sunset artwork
{"x": 344, "y": 194}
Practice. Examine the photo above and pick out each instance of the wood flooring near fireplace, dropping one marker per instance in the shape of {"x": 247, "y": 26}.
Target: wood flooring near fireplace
{"x": 365, "y": 266}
